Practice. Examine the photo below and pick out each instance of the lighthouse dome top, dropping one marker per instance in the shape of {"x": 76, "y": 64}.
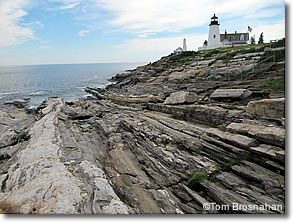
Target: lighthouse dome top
{"x": 214, "y": 17}
{"x": 214, "y": 20}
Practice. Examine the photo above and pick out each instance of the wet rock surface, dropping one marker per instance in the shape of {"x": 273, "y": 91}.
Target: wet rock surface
{"x": 126, "y": 151}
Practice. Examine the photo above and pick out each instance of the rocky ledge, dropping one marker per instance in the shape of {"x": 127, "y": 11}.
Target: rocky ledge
{"x": 152, "y": 143}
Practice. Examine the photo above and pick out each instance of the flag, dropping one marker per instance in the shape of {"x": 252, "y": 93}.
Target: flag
{"x": 249, "y": 29}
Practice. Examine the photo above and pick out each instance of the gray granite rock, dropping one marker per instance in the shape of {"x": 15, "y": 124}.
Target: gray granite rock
{"x": 267, "y": 108}
{"x": 231, "y": 94}
{"x": 181, "y": 97}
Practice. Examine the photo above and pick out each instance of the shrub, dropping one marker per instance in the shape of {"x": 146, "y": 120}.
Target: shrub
{"x": 183, "y": 57}
{"x": 226, "y": 58}
{"x": 211, "y": 53}
{"x": 195, "y": 179}
{"x": 279, "y": 43}
{"x": 236, "y": 104}
{"x": 165, "y": 141}
{"x": 279, "y": 55}
{"x": 276, "y": 84}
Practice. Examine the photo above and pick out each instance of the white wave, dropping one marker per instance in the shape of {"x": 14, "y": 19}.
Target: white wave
{"x": 8, "y": 93}
{"x": 38, "y": 93}
{"x": 85, "y": 96}
{"x": 81, "y": 88}
{"x": 33, "y": 106}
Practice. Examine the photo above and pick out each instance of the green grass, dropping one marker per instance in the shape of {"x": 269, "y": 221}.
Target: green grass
{"x": 182, "y": 58}
{"x": 210, "y": 53}
{"x": 276, "y": 84}
{"x": 279, "y": 55}
{"x": 242, "y": 48}
{"x": 228, "y": 57}
{"x": 195, "y": 179}
{"x": 280, "y": 43}
{"x": 165, "y": 142}
{"x": 236, "y": 104}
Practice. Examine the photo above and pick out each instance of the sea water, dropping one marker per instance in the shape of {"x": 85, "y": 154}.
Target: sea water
{"x": 38, "y": 82}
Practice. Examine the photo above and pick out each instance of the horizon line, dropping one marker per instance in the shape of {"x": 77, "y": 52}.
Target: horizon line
{"x": 81, "y": 63}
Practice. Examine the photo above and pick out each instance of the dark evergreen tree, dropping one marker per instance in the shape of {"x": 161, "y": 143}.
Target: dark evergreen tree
{"x": 260, "y": 41}
{"x": 252, "y": 40}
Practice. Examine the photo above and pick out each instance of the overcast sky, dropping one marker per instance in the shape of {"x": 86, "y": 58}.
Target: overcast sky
{"x": 93, "y": 31}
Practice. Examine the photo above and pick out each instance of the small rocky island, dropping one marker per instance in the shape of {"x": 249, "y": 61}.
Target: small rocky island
{"x": 169, "y": 137}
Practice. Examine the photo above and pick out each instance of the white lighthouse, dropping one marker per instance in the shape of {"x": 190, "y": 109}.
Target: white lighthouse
{"x": 217, "y": 40}
{"x": 184, "y": 45}
{"x": 214, "y": 33}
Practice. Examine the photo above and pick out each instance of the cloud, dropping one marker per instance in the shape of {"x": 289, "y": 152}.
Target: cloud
{"x": 150, "y": 17}
{"x": 152, "y": 49}
{"x": 146, "y": 35}
{"x": 146, "y": 49}
{"x": 69, "y": 6}
{"x": 174, "y": 15}
{"x": 45, "y": 47}
{"x": 12, "y": 31}
{"x": 271, "y": 31}
{"x": 83, "y": 33}
{"x": 65, "y": 4}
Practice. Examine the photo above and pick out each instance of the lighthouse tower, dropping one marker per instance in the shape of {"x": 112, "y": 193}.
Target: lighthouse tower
{"x": 184, "y": 45}
{"x": 214, "y": 33}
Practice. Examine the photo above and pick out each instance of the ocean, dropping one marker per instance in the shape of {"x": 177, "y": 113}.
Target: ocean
{"x": 38, "y": 82}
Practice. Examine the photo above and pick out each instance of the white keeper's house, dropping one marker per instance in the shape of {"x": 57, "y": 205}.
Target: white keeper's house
{"x": 217, "y": 40}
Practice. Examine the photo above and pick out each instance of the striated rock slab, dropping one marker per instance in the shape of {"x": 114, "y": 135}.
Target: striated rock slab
{"x": 39, "y": 182}
{"x": 272, "y": 183}
{"x": 181, "y": 98}
{"x": 270, "y": 135}
{"x": 205, "y": 114}
{"x": 267, "y": 108}
{"x": 269, "y": 151}
{"x": 14, "y": 124}
{"x": 230, "y": 94}
{"x": 126, "y": 100}
{"x": 234, "y": 139}
{"x": 229, "y": 198}
{"x": 253, "y": 194}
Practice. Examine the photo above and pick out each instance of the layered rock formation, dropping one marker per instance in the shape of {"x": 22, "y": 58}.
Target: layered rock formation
{"x": 153, "y": 142}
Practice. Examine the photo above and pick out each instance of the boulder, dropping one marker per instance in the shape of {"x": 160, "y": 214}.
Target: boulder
{"x": 269, "y": 108}
{"x": 230, "y": 94}
{"x": 270, "y": 135}
{"x": 181, "y": 98}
